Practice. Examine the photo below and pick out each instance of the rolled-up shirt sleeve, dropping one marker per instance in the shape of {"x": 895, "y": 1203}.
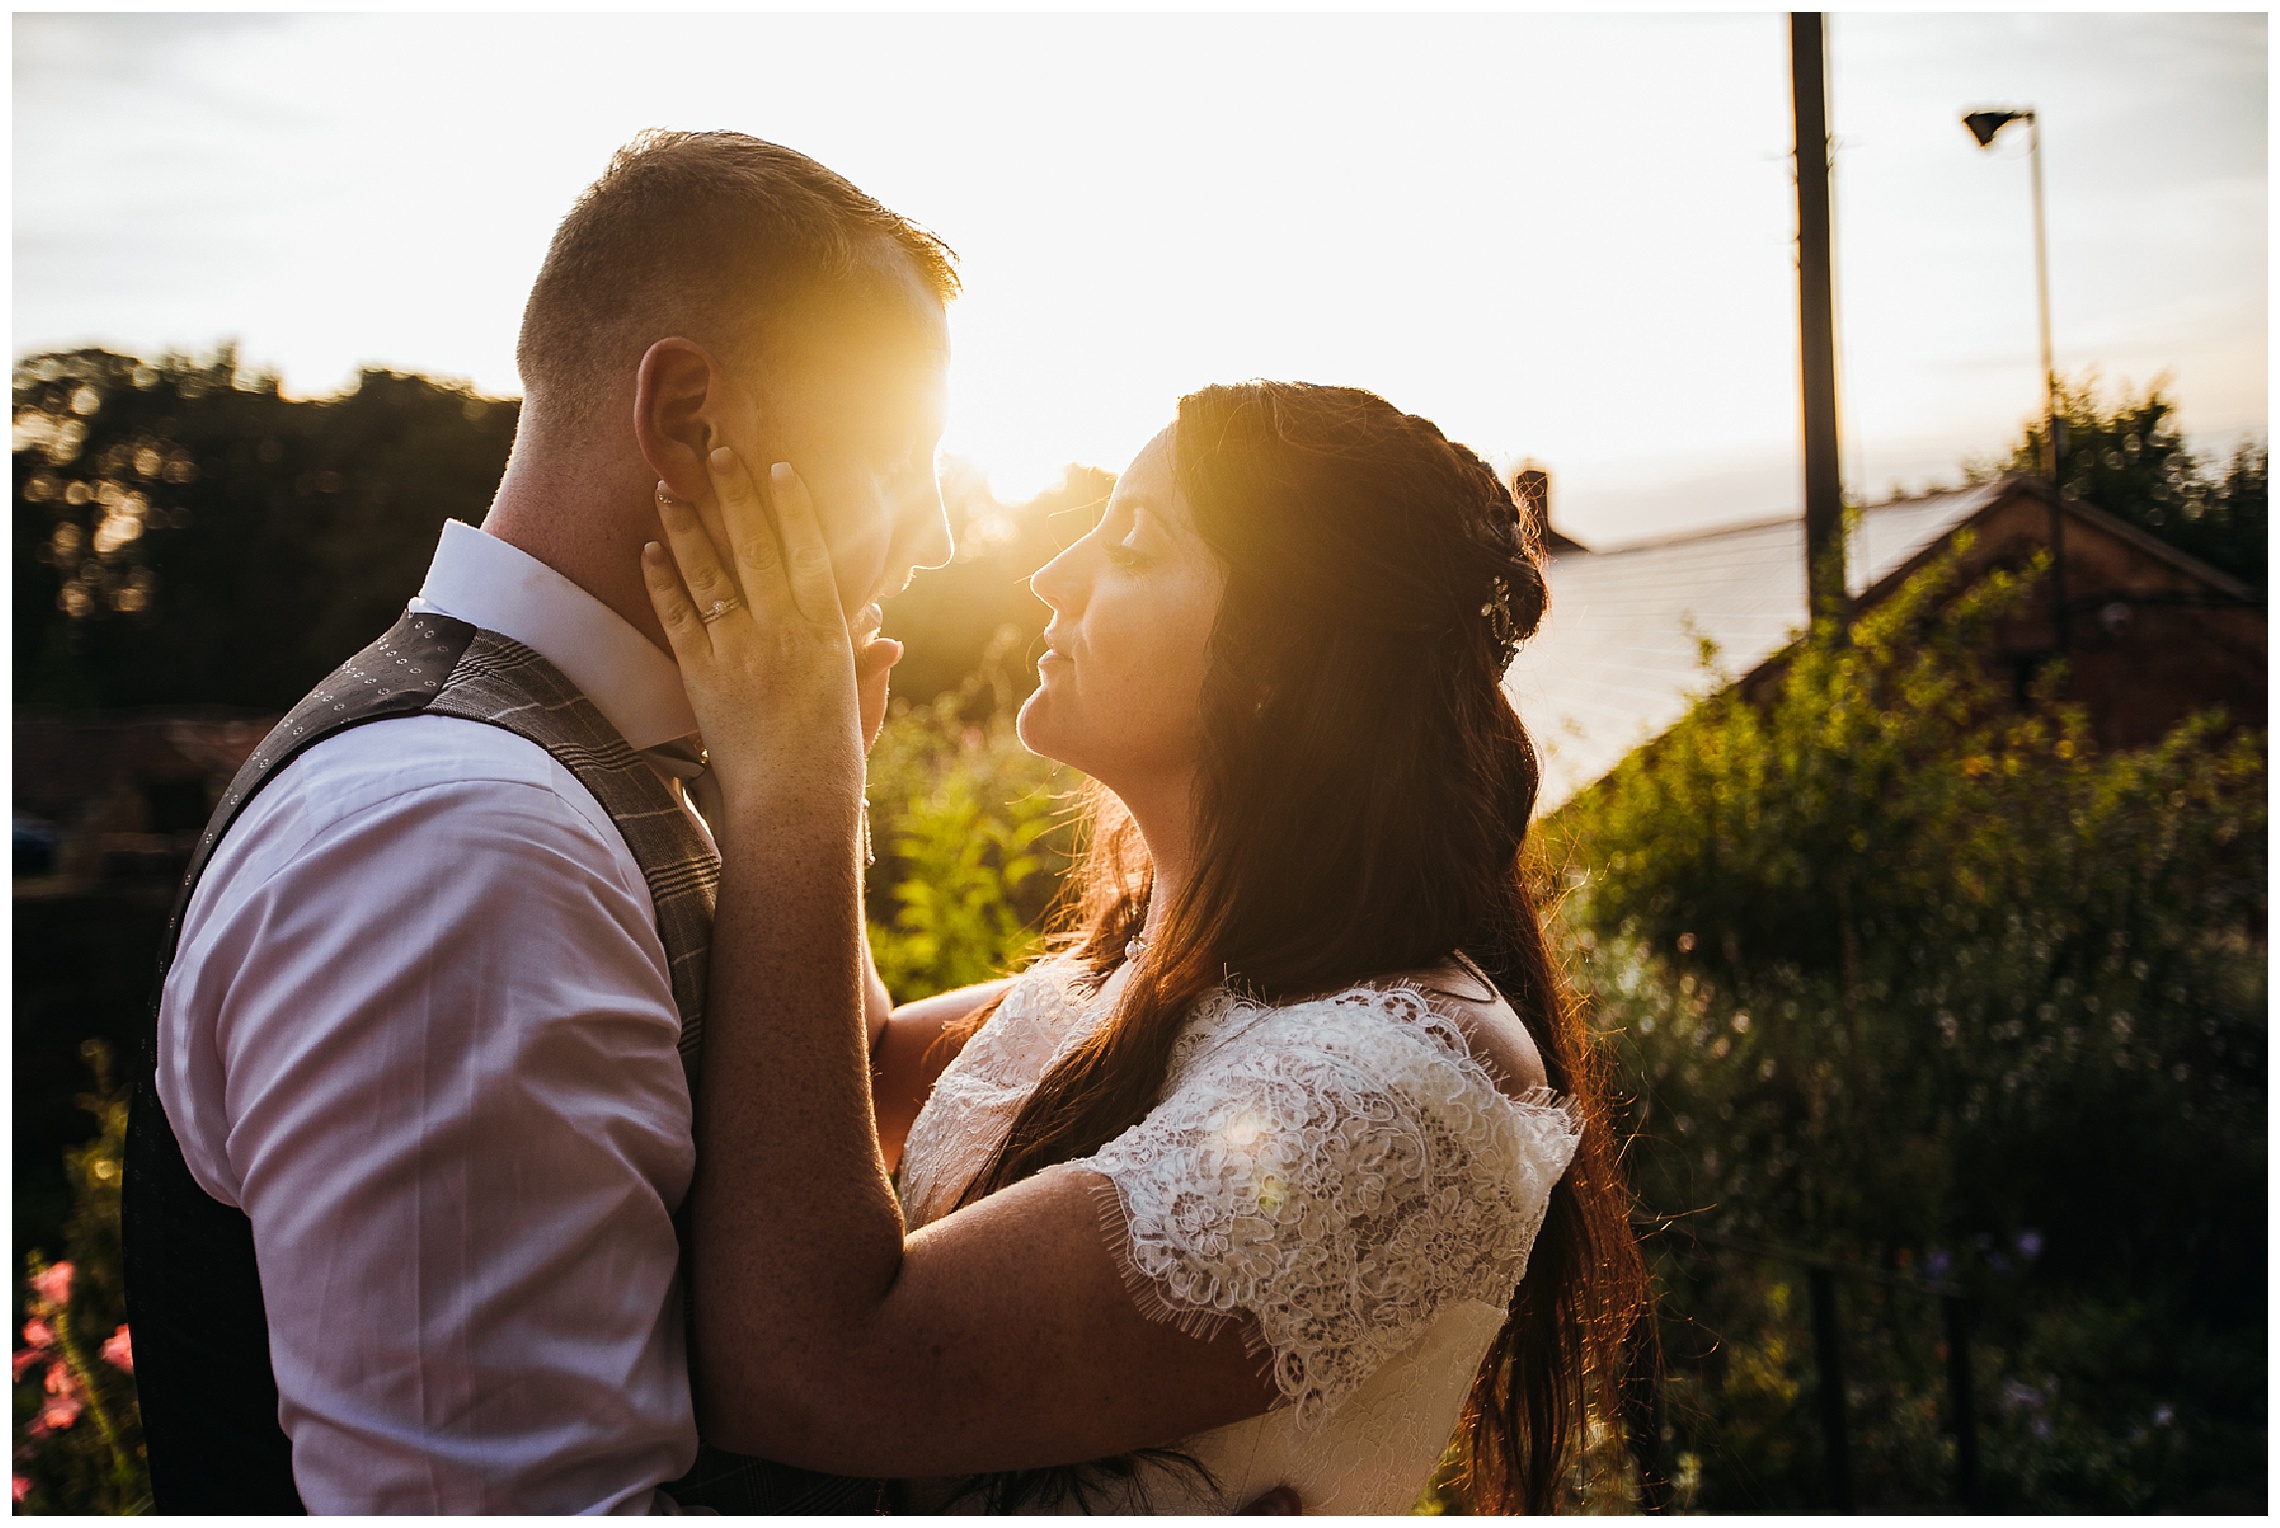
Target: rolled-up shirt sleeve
{"x": 420, "y": 1031}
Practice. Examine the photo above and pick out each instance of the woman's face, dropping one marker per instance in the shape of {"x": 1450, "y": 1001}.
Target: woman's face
{"x": 1133, "y": 604}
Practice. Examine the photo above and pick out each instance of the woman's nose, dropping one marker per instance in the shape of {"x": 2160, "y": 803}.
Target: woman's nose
{"x": 1060, "y": 581}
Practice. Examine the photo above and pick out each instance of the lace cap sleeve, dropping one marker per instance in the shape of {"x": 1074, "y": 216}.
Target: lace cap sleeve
{"x": 1340, "y": 1170}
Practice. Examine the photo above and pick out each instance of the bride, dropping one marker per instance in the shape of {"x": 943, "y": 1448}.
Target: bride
{"x": 1292, "y": 1161}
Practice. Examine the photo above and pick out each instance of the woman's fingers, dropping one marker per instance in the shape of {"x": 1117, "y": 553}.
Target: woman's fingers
{"x": 709, "y": 583}
{"x": 795, "y": 560}
{"x": 807, "y": 556}
{"x": 675, "y": 613}
{"x": 744, "y": 516}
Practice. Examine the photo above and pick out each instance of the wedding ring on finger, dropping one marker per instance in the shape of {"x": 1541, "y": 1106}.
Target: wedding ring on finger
{"x": 719, "y": 608}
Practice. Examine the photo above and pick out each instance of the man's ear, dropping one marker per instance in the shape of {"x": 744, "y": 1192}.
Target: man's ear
{"x": 677, "y": 399}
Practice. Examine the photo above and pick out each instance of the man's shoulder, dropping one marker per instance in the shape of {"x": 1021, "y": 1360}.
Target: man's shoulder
{"x": 445, "y": 770}
{"x": 418, "y": 749}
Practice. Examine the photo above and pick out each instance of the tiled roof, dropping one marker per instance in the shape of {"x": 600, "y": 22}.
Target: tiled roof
{"x": 1619, "y": 657}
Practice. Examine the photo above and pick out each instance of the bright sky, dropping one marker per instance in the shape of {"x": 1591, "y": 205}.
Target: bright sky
{"x": 1564, "y": 237}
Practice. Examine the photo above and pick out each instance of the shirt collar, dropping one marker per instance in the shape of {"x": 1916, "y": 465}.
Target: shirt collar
{"x": 634, "y": 684}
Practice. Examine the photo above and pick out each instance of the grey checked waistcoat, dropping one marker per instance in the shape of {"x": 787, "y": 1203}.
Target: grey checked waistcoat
{"x": 201, "y": 1334}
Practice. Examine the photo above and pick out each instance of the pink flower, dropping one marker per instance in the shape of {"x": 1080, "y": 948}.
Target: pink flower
{"x": 22, "y": 1487}
{"x": 39, "y": 1334}
{"x": 25, "y": 1358}
{"x": 61, "y": 1381}
{"x": 120, "y": 1350}
{"x": 59, "y": 1413}
{"x": 54, "y": 1284}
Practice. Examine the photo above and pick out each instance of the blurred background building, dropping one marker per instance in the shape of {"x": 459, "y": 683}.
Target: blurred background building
{"x": 1638, "y": 634}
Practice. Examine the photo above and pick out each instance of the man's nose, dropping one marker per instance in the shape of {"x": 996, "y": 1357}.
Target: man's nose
{"x": 927, "y": 525}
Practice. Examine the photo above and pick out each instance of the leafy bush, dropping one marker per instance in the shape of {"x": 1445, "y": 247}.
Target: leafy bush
{"x": 78, "y": 1435}
{"x": 1905, "y": 977}
{"x": 972, "y": 833}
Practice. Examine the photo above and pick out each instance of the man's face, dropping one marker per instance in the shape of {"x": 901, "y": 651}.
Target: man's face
{"x": 851, "y": 394}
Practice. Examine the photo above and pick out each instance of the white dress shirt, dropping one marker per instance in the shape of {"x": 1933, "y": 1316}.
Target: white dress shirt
{"x": 420, "y": 1030}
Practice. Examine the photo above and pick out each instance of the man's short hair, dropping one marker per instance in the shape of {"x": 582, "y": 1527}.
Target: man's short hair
{"x": 703, "y": 235}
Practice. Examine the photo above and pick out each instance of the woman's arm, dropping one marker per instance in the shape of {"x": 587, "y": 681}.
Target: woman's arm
{"x": 917, "y": 1041}
{"x": 1002, "y": 1337}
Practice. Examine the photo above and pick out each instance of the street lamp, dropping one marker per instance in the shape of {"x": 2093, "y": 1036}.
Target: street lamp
{"x": 1983, "y": 126}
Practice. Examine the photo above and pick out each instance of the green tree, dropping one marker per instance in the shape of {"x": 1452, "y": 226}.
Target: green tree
{"x": 2129, "y": 459}
{"x": 186, "y": 534}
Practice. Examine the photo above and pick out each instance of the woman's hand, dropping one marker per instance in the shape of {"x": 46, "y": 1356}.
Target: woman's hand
{"x": 764, "y": 649}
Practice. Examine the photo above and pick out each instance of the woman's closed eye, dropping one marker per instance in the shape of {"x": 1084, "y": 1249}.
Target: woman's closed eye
{"x": 1121, "y": 540}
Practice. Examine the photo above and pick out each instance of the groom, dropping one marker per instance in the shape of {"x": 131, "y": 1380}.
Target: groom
{"x": 413, "y": 1125}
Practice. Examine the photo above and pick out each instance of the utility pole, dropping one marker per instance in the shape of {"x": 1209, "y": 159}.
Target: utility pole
{"x": 1816, "y": 319}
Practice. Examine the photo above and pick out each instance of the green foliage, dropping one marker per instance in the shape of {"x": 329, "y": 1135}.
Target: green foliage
{"x": 1902, "y": 975}
{"x": 2129, "y": 459}
{"x": 972, "y": 833}
{"x": 185, "y": 533}
{"x": 78, "y": 1435}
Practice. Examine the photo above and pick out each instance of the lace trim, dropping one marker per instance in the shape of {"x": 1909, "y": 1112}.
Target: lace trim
{"x": 1328, "y": 1184}
{"x": 1149, "y": 1295}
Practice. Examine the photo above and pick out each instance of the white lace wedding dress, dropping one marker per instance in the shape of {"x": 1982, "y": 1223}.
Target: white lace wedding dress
{"x": 1339, "y": 1174}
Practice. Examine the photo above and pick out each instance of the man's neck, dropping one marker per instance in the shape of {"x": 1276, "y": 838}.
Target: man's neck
{"x": 585, "y": 519}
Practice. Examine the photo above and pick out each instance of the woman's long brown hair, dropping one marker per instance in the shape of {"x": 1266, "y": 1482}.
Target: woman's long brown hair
{"x": 1362, "y": 809}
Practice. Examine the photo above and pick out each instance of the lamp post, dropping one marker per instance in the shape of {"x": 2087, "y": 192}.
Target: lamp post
{"x": 1983, "y": 126}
